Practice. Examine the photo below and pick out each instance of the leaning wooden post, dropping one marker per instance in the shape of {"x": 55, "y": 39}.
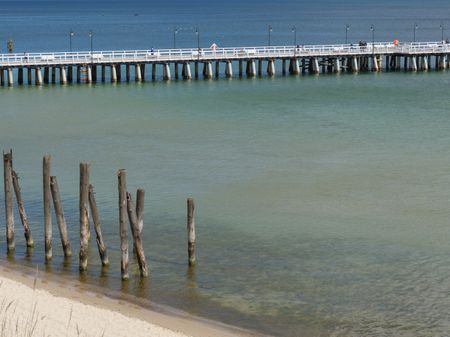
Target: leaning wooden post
{"x": 60, "y": 217}
{"x": 138, "y": 246}
{"x": 121, "y": 174}
{"x": 140, "y": 195}
{"x": 84, "y": 214}
{"x": 191, "y": 230}
{"x": 47, "y": 207}
{"x": 9, "y": 212}
{"x": 22, "y": 213}
{"x": 98, "y": 229}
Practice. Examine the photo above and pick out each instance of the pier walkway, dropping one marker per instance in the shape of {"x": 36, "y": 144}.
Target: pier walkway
{"x": 92, "y": 66}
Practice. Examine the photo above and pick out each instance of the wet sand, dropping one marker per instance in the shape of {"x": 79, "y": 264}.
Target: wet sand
{"x": 54, "y": 306}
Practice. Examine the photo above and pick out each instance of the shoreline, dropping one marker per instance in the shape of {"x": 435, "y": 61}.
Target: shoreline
{"x": 22, "y": 287}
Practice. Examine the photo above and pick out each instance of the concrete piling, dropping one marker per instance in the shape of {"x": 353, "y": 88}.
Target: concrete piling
{"x": 271, "y": 68}
{"x": 113, "y": 73}
{"x": 166, "y": 72}
{"x": 62, "y": 75}
{"x": 251, "y": 68}
{"x": 20, "y": 76}
{"x": 207, "y": 71}
{"x": 186, "y": 71}
{"x": 153, "y": 71}
{"x": 228, "y": 69}
{"x": 29, "y": 76}
{"x": 38, "y": 76}
{"x": 10, "y": 77}
{"x": 137, "y": 73}
{"x": 294, "y": 67}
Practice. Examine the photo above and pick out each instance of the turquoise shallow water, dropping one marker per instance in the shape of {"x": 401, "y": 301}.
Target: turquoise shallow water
{"x": 322, "y": 202}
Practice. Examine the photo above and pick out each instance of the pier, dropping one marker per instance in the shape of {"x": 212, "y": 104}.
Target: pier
{"x": 208, "y": 63}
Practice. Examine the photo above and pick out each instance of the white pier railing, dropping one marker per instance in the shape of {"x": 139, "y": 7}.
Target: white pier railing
{"x": 220, "y": 54}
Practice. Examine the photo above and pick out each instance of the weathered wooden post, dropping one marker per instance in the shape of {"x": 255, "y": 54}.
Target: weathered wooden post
{"x": 60, "y": 217}
{"x": 47, "y": 207}
{"x": 140, "y": 195}
{"x": 84, "y": 214}
{"x": 122, "y": 184}
{"x": 98, "y": 230}
{"x": 22, "y": 213}
{"x": 138, "y": 246}
{"x": 191, "y": 230}
{"x": 8, "y": 187}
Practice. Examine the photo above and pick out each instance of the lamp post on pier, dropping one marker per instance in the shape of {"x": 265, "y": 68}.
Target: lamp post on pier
{"x": 294, "y": 30}
{"x": 347, "y": 28}
{"x": 175, "y": 32}
{"x": 91, "y": 37}
{"x": 198, "y": 42}
{"x": 414, "y": 31}
{"x": 71, "y": 34}
{"x": 372, "y": 28}
{"x": 442, "y": 27}
{"x": 269, "y": 32}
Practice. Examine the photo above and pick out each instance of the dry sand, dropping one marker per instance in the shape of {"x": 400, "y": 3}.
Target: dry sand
{"x": 45, "y": 308}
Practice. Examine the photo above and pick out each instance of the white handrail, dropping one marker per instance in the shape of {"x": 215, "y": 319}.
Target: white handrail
{"x": 192, "y": 54}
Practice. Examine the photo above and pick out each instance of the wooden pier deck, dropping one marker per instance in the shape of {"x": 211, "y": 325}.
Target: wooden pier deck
{"x": 85, "y": 66}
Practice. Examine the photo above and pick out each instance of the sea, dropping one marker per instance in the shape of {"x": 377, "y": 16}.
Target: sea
{"x": 322, "y": 202}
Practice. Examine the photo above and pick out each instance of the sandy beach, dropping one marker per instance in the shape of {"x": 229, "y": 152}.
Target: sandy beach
{"x": 37, "y": 306}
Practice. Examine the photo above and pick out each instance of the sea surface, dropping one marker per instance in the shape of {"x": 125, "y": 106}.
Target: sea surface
{"x": 322, "y": 202}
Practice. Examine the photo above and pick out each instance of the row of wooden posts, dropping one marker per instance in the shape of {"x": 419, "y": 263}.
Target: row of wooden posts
{"x": 128, "y": 213}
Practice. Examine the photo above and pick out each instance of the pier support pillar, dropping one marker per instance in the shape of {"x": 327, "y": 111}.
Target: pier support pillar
{"x": 337, "y": 65}
{"x": 103, "y": 73}
{"x": 443, "y": 62}
{"x": 46, "y": 75}
{"x": 53, "y": 70}
{"x": 175, "y": 66}
{"x": 294, "y": 67}
{"x": 240, "y": 68}
{"x": 283, "y": 67}
{"x": 78, "y": 74}
{"x": 196, "y": 70}
{"x": 315, "y": 65}
{"x": 20, "y": 76}
{"x": 127, "y": 72}
{"x": 229, "y": 69}
{"x": 137, "y": 73}
{"x": 62, "y": 75}
{"x": 94, "y": 73}
{"x": 70, "y": 74}
{"x": 89, "y": 74}
{"x": 259, "y": 67}
{"x": 413, "y": 63}
{"x": 2, "y": 77}
{"x": 29, "y": 76}
{"x": 217, "y": 69}
{"x": 251, "y": 68}
{"x": 119, "y": 72}
{"x": 153, "y": 71}
{"x": 38, "y": 76}
{"x": 271, "y": 68}
{"x": 143, "y": 72}
{"x": 375, "y": 65}
{"x": 425, "y": 63}
{"x": 207, "y": 71}
{"x": 166, "y": 72}
{"x": 355, "y": 68}
{"x": 186, "y": 71}
{"x": 113, "y": 73}
{"x": 10, "y": 77}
